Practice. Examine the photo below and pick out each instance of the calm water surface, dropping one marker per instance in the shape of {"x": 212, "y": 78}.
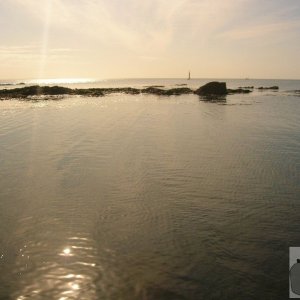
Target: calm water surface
{"x": 145, "y": 197}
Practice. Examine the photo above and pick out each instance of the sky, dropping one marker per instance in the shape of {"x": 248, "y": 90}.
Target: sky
{"x": 149, "y": 38}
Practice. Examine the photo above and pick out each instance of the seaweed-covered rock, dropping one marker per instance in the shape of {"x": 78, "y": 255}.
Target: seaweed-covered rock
{"x": 238, "y": 91}
{"x": 170, "y": 92}
{"x": 54, "y": 90}
{"x": 153, "y": 90}
{"x": 154, "y": 86}
{"x": 34, "y": 91}
{"x": 212, "y": 88}
{"x": 275, "y": 87}
{"x": 94, "y": 92}
{"x": 125, "y": 90}
{"x": 178, "y": 91}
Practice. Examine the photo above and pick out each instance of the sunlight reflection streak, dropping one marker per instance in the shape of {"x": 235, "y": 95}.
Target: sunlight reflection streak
{"x": 45, "y": 38}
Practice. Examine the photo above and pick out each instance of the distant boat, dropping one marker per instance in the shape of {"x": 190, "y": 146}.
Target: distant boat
{"x": 189, "y": 78}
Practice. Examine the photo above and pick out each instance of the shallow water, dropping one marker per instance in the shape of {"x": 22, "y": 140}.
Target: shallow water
{"x": 145, "y": 197}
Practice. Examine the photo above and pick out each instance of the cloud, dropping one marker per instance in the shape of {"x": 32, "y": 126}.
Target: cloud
{"x": 131, "y": 33}
{"x": 33, "y": 51}
{"x": 138, "y": 26}
{"x": 261, "y": 30}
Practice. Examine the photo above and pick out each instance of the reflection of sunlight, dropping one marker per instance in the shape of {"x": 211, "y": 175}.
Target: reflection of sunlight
{"x": 70, "y": 276}
{"x": 67, "y": 278}
{"x": 72, "y": 291}
{"x": 86, "y": 264}
{"x": 66, "y": 252}
{"x": 45, "y": 39}
{"x": 75, "y": 286}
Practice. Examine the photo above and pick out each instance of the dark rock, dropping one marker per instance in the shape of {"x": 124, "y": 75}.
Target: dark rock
{"x": 94, "y": 92}
{"x": 212, "y": 88}
{"x": 154, "y": 86}
{"x": 54, "y": 90}
{"x": 153, "y": 90}
{"x": 128, "y": 90}
{"x": 170, "y": 92}
{"x": 238, "y": 91}
{"x": 211, "y": 91}
{"x": 29, "y": 91}
{"x": 35, "y": 90}
{"x": 246, "y": 87}
{"x": 178, "y": 91}
{"x": 275, "y": 87}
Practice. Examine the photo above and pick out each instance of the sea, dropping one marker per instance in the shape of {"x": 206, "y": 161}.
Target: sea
{"x": 146, "y": 197}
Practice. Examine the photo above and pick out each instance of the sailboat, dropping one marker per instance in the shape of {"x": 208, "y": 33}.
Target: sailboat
{"x": 189, "y": 78}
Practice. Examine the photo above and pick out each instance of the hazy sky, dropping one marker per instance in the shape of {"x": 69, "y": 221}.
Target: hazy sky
{"x": 149, "y": 38}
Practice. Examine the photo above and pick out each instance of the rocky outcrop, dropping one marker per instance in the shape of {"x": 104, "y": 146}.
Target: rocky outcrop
{"x": 238, "y": 91}
{"x": 35, "y": 90}
{"x": 170, "y": 92}
{"x": 212, "y": 88}
{"x": 154, "y": 86}
{"x": 275, "y": 87}
{"x": 216, "y": 88}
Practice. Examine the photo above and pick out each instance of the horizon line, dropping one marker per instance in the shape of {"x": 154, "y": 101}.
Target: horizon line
{"x": 95, "y": 79}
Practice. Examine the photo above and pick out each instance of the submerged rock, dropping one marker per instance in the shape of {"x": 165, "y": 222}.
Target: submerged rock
{"x": 293, "y": 93}
{"x": 212, "y": 88}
